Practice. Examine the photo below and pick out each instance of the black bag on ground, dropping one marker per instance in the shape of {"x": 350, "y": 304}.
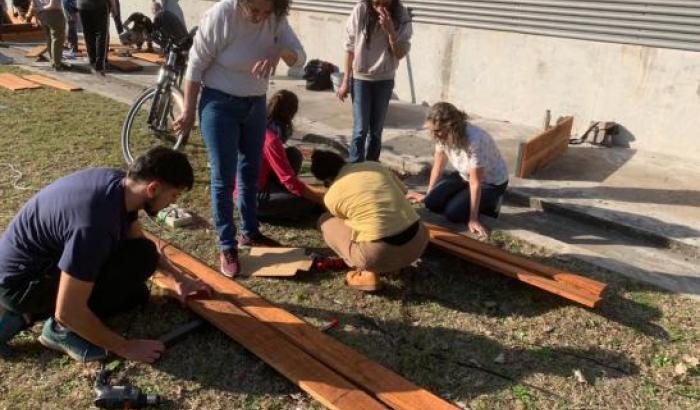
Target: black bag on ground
{"x": 600, "y": 133}
{"x": 317, "y": 74}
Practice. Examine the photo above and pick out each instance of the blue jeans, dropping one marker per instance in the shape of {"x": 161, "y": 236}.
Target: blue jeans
{"x": 370, "y": 100}
{"x": 234, "y": 131}
{"x": 450, "y": 197}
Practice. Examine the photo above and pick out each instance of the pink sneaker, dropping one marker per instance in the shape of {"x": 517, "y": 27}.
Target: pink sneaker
{"x": 230, "y": 266}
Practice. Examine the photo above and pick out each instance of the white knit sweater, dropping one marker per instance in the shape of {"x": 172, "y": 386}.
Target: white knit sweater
{"x": 227, "y": 46}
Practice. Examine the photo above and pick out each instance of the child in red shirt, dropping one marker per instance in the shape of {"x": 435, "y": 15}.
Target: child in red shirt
{"x": 281, "y": 194}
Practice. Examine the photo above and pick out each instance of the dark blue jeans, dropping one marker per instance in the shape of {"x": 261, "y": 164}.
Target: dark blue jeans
{"x": 370, "y": 101}
{"x": 450, "y": 197}
{"x": 234, "y": 131}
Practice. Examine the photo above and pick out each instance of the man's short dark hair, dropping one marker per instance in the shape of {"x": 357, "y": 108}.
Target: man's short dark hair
{"x": 325, "y": 165}
{"x": 165, "y": 165}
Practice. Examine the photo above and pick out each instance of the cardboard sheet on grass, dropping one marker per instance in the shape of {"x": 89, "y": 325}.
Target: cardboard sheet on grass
{"x": 275, "y": 262}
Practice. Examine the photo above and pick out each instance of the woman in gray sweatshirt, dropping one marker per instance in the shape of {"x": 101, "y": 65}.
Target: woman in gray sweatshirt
{"x": 378, "y": 36}
{"x": 235, "y": 50}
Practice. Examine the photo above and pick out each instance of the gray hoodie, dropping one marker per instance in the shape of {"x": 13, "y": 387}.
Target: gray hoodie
{"x": 375, "y": 61}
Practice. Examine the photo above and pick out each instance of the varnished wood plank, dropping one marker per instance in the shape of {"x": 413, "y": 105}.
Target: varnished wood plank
{"x": 389, "y": 387}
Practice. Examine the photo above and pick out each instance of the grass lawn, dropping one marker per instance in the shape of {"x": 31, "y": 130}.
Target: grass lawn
{"x": 472, "y": 336}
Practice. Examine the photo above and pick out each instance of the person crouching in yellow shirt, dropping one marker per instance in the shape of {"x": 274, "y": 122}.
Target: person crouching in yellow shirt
{"x": 370, "y": 223}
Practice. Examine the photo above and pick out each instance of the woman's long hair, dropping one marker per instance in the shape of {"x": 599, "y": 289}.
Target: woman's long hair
{"x": 281, "y": 109}
{"x": 372, "y": 17}
{"x": 447, "y": 125}
{"x": 281, "y": 7}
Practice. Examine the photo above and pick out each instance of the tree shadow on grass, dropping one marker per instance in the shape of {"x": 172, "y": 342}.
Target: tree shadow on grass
{"x": 458, "y": 285}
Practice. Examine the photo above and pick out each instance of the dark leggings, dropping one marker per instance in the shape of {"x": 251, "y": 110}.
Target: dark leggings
{"x": 119, "y": 287}
{"x": 450, "y": 197}
{"x": 277, "y": 203}
{"x": 96, "y": 33}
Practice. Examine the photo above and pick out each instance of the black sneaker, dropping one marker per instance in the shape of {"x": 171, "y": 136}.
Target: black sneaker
{"x": 61, "y": 67}
{"x": 257, "y": 241}
{"x": 11, "y": 323}
{"x": 56, "y": 337}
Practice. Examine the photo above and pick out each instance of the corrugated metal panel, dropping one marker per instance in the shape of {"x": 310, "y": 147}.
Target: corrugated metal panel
{"x": 667, "y": 24}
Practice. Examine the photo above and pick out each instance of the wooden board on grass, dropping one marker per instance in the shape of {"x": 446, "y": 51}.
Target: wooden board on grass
{"x": 318, "y": 380}
{"x": 51, "y": 82}
{"x": 124, "y": 64}
{"x": 568, "y": 278}
{"x": 36, "y": 52}
{"x": 14, "y": 83}
{"x": 543, "y": 148}
{"x": 23, "y": 37}
{"x": 18, "y": 28}
{"x": 150, "y": 57}
{"x": 275, "y": 262}
{"x": 389, "y": 387}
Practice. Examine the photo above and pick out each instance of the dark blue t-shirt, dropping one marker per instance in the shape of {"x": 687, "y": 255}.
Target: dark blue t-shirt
{"x": 72, "y": 225}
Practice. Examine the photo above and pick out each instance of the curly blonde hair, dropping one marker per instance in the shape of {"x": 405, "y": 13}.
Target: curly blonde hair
{"x": 447, "y": 125}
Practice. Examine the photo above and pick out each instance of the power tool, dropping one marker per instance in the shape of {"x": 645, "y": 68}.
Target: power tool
{"x": 130, "y": 397}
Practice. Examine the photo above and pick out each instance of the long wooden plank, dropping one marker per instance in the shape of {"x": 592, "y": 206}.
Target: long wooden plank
{"x": 18, "y": 28}
{"x": 582, "y": 282}
{"x": 568, "y": 292}
{"x": 37, "y": 51}
{"x": 319, "y": 381}
{"x": 390, "y": 388}
{"x": 23, "y": 37}
{"x": 150, "y": 57}
{"x": 14, "y": 83}
{"x": 543, "y": 148}
{"x": 50, "y": 82}
{"x": 124, "y": 65}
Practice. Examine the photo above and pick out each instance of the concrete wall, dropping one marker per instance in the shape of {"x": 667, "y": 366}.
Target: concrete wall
{"x": 654, "y": 93}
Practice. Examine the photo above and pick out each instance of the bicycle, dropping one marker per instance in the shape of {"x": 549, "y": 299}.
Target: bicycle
{"x": 149, "y": 120}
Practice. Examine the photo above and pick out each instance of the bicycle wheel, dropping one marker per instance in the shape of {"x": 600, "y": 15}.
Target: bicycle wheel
{"x": 149, "y": 122}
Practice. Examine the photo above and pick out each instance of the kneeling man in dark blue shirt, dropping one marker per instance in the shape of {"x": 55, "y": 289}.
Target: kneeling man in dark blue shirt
{"x": 75, "y": 254}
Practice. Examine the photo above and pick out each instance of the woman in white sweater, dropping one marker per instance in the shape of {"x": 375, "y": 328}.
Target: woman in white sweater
{"x": 378, "y": 37}
{"x": 237, "y": 47}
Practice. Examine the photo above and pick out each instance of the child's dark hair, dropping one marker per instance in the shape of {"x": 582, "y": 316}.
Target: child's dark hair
{"x": 281, "y": 109}
{"x": 326, "y": 165}
{"x": 165, "y": 165}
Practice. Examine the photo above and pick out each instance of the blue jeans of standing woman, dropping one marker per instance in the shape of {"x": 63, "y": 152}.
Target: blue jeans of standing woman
{"x": 234, "y": 131}
{"x": 370, "y": 101}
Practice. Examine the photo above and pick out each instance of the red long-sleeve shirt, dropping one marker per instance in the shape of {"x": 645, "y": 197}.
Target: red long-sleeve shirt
{"x": 274, "y": 158}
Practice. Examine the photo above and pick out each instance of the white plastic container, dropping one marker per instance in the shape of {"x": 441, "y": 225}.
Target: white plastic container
{"x": 336, "y": 79}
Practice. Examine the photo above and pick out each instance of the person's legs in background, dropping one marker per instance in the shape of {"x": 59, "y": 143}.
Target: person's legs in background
{"x": 220, "y": 122}
{"x": 71, "y": 16}
{"x": 250, "y": 152}
{"x": 361, "y": 108}
{"x": 381, "y": 92}
{"x": 101, "y": 39}
{"x": 54, "y": 24}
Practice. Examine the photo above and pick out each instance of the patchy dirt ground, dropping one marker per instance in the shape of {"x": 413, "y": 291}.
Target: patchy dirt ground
{"x": 472, "y": 336}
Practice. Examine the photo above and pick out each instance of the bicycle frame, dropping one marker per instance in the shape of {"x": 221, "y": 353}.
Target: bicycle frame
{"x": 170, "y": 74}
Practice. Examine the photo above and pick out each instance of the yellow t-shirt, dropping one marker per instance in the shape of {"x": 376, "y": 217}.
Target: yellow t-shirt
{"x": 371, "y": 200}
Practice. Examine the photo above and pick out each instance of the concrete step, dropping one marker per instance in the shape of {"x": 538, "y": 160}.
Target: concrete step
{"x": 630, "y": 256}
{"x": 672, "y": 237}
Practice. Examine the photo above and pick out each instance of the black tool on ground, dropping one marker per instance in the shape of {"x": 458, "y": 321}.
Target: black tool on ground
{"x": 130, "y": 397}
